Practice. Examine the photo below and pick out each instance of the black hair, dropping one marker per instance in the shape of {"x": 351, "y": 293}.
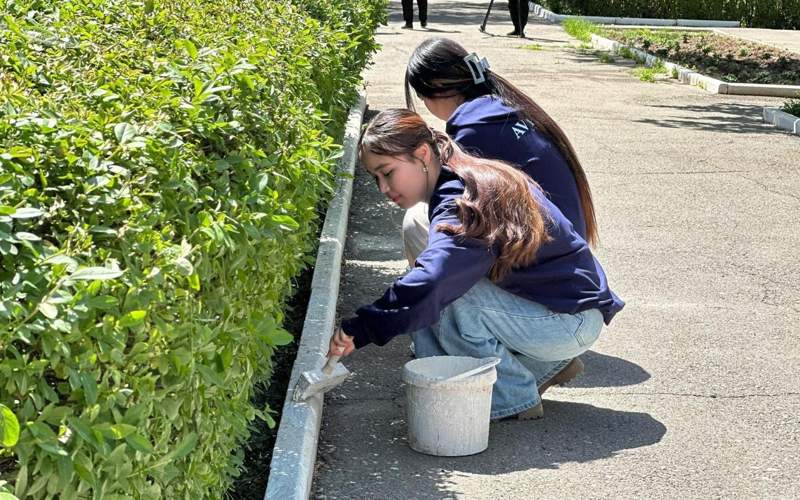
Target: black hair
{"x": 437, "y": 69}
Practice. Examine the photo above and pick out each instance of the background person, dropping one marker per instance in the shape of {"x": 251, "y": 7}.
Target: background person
{"x": 408, "y": 13}
{"x": 519, "y": 16}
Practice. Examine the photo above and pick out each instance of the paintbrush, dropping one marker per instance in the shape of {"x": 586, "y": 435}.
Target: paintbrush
{"x": 319, "y": 381}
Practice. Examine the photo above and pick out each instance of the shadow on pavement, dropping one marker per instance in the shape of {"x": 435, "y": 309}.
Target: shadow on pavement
{"x": 608, "y": 371}
{"x": 570, "y": 432}
{"x": 726, "y": 117}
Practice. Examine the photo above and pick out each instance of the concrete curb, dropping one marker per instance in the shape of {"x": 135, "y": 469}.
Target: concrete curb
{"x": 782, "y": 120}
{"x": 686, "y": 75}
{"x": 540, "y": 11}
{"x": 292, "y": 466}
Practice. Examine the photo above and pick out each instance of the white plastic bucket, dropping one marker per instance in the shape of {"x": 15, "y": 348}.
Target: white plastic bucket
{"x": 448, "y": 419}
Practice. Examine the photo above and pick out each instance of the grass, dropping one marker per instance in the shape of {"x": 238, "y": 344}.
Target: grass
{"x": 532, "y": 46}
{"x": 648, "y": 74}
{"x": 580, "y": 29}
{"x": 606, "y": 58}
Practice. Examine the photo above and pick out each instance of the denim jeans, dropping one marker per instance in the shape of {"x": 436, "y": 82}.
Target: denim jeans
{"x": 533, "y": 342}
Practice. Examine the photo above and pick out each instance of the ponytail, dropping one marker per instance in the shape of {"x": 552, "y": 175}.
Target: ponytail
{"x": 437, "y": 68}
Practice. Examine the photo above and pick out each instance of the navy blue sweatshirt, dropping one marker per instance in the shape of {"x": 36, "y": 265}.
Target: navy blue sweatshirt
{"x": 488, "y": 128}
{"x": 565, "y": 276}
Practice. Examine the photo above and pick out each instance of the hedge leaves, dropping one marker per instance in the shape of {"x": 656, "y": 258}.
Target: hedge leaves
{"x": 161, "y": 168}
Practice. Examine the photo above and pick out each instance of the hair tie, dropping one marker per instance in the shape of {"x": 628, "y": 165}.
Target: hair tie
{"x": 477, "y": 66}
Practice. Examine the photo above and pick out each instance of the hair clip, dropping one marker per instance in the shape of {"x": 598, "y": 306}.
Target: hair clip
{"x": 477, "y": 67}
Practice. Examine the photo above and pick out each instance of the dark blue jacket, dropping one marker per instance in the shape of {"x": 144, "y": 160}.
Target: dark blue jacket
{"x": 488, "y": 128}
{"x": 565, "y": 276}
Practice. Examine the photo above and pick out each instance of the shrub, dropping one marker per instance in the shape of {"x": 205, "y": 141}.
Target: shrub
{"x": 161, "y": 165}
{"x": 784, "y": 14}
{"x": 792, "y": 106}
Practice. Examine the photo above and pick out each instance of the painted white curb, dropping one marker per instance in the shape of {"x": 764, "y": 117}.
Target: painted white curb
{"x": 782, "y": 120}
{"x": 292, "y": 466}
{"x": 686, "y": 75}
{"x": 540, "y": 11}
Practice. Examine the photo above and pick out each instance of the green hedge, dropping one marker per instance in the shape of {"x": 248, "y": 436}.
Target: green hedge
{"x": 161, "y": 167}
{"x": 783, "y": 14}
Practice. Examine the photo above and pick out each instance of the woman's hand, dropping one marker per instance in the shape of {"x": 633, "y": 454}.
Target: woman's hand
{"x": 341, "y": 344}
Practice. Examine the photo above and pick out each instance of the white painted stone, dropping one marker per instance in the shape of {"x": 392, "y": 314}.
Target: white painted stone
{"x": 782, "y": 120}
{"x": 295, "y": 451}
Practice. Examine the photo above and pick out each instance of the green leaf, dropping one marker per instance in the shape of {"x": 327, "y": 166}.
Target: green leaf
{"x": 139, "y": 443}
{"x": 184, "y": 266}
{"x": 27, "y": 213}
{"x": 285, "y": 222}
{"x": 95, "y": 273}
{"x": 22, "y": 235}
{"x": 132, "y": 318}
{"x": 50, "y": 311}
{"x": 122, "y": 430}
{"x": 103, "y": 302}
{"x": 58, "y": 259}
{"x": 9, "y": 427}
{"x": 189, "y": 47}
{"x": 124, "y": 132}
{"x": 89, "y": 385}
{"x": 184, "y": 448}
{"x": 210, "y": 375}
{"x": 7, "y": 496}
{"x": 279, "y": 336}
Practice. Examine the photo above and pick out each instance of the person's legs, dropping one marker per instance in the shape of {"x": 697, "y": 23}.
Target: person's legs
{"x": 522, "y": 16}
{"x": 423, "y": 12}
{"x": 513, "y": 11}
{"x": 408, "y": 12}
{"x": 415, "y": 231}
{"x": 488, "y": 321}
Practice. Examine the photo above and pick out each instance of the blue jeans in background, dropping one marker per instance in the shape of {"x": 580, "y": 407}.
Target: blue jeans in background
{"x": 532, "y": 342}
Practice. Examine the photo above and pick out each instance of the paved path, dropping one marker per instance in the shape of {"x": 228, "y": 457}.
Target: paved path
{"x": 692, "y": 392}
{"x": 783, "y": 39}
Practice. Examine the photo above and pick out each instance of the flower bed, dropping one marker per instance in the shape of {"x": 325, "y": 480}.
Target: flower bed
{"x": 725, "y": 58}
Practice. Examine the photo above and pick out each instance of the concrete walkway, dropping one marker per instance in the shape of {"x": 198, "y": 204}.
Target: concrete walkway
{"x": 782, "y": 39}
{"x": 692, "y": 392}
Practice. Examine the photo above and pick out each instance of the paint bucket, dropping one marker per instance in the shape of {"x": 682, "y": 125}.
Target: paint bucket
{"x": 448, "y": 419}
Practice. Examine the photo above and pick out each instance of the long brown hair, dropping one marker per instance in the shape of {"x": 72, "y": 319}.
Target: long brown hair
{"x": 497, "y": 206}
{"x": 437, "y": 68}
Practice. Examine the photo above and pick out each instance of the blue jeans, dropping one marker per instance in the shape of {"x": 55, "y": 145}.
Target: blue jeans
{"x": 532, "y": 342}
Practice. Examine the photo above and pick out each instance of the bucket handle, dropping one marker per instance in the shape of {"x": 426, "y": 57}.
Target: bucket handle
{"x": 493, "y": 361}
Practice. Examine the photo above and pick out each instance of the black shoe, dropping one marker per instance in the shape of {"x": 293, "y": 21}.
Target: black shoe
{"x": 513, "y": 33}
{"x": 408, "y": 26}
{"x": 522, "y": 34}
{"x": 424, "y": 24}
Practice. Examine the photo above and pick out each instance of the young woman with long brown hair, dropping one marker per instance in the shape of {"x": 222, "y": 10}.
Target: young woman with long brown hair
{"x": 488, "y": 116}
{"x": 503, "y": 273}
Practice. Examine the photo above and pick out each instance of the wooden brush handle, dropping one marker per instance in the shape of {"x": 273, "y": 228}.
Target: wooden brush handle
{"x": 330, "y": 364}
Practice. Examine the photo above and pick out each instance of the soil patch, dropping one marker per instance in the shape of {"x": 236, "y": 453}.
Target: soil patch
{"x": 725, "y": 58}
{"x": 252, "y": 482}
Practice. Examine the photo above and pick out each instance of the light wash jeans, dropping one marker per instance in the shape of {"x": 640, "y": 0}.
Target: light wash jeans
{"x": 532, "y": 342}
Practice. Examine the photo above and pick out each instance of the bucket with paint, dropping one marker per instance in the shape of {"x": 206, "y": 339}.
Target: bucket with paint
{"x": 447, "y": 407}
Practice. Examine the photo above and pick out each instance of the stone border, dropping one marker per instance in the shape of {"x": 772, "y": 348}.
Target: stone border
{"x": 686, "y": 75}
{"x": 295, "y": 451}
{"x": 782, "y": 120}
{"x": 540, "y": 11}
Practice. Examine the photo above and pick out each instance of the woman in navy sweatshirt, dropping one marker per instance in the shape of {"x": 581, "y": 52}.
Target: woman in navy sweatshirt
{"x": 504, "y": 273}
{"x": 491, "y": 118}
